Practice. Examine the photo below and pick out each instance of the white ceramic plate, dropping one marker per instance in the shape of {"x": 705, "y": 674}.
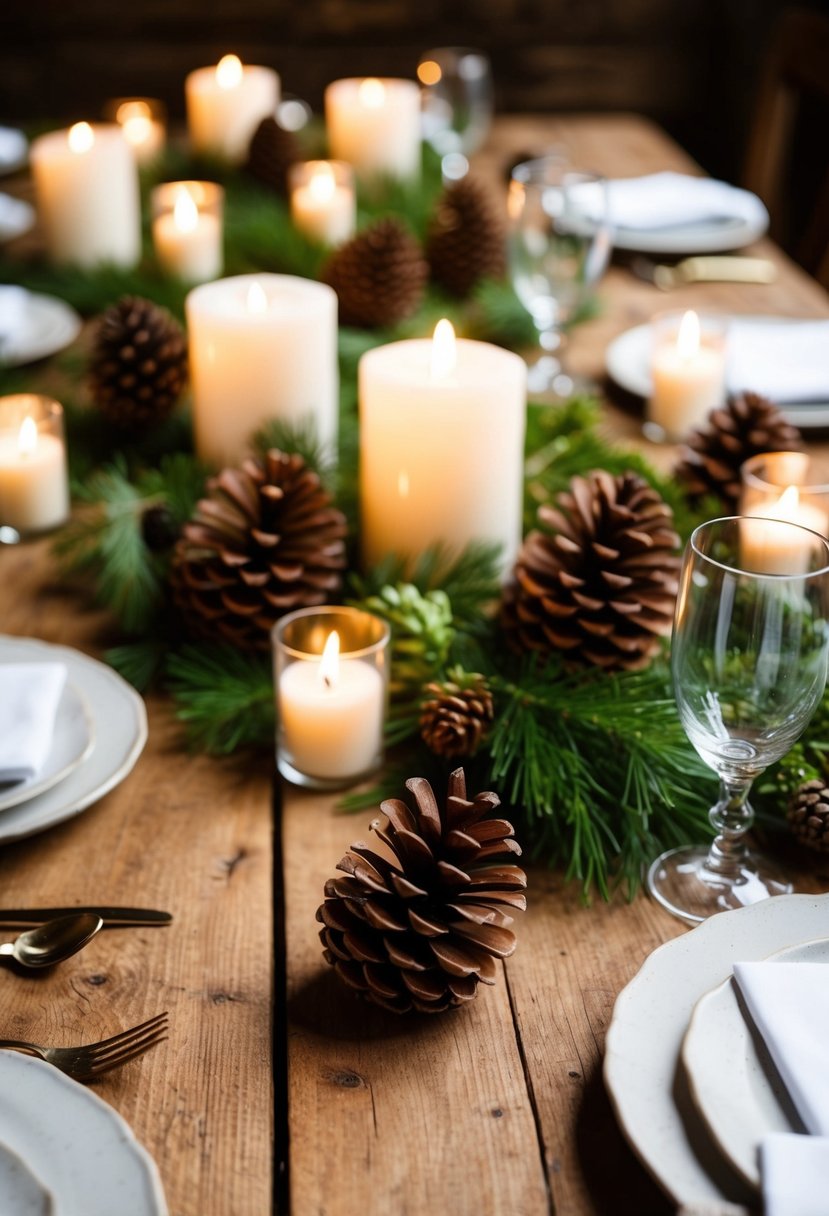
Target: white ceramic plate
{"x": 51, "y": 324}
{"x": 627, "y": 360}
{"x": 16, "y": 217}
{"x": 72, "y": 742}
{"x": 650, "y": 1017}
{"x": 735, "y": 1087}
{"x": 14, "y": 150}
{"x": 21, "y": 1193}
{"x": 77, "y": 1146}
{"x": 120, "y": 726}
{"x": 704, "y": 236}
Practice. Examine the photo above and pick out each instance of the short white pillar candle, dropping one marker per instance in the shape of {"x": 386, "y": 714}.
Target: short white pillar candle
{"x": 187, "y": 229}
{"x": 374, "y": 125}
{"x": 143, "y": 122}
{"x": 225, "y": 105}
{"x": 34, "y": 480}
{"x": 687, "y": 371}
{"x": 323, "y": 201}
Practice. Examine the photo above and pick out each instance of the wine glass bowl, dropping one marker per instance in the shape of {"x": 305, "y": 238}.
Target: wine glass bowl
{"x": 749, "y": 657}
{"x": 456, "y": 100}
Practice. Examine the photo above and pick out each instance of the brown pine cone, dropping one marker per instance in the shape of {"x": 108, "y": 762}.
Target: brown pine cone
{"x": 455, "y": 720}
{"x": 379, "y": 276}
{"x": 466, "y": 238}
{"x": 421, "y": 931}
{"x": 138, "y": 364}
{"x": 745, "y": 426}
{"x": 266, "y": 541}
{"x": 272, "y": 152}
{"x": 808, "y": 815}
{"x": 598, "y": 579}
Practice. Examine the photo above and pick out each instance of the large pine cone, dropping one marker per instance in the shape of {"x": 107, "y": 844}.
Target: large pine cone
{"x": 598, "y": 580}
{"x": 808, "y": 815}
{"x": 272, "y": 152}
{"x": 138, "y": 365}
{"x": 456, "y": 718}
{"x": 745, "y": 426}
{"x": 379, "y": 276}
{"x": 266, "y": 541}
{"x": 466, "y": 239}
{"x": 422, "y": 930}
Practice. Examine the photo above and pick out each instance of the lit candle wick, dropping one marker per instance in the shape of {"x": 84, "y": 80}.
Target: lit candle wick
{"x": 688, "y": 337}
{"x": 330, "y": 662}
{"x": 372, "y": 93}
{"x": 444, "y": 350}
{"x": 27, "y": 438}
{"x": 322, "y": 185}
{"x": 229, "y": 72}
{"x": 185, "y": 211}
{"x": 257, "y": 301}
{"x": 81, "y": 137}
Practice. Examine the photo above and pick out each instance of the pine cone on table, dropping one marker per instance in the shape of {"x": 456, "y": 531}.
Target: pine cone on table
{"x": 456, "y": 718}
{"x": 466, "y": 239}
{"x": 379, "y": 275}
{"x": 271, "y": 153}
{"x": 808, "y": 815}
{"x": 745, "y": 426}
{"x": 598, "y": 579}
{"x": 266, "y": 540}
{"x": 138, "y": 364}
{"x": 422, "y": 930}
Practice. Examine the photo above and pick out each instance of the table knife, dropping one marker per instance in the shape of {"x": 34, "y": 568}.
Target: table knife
{"x": 707, "y": 269}
{"x": 110, "y": 916}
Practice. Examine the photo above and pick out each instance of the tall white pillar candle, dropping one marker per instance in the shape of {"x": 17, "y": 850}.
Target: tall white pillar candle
{"x": 262, "y": 346}
{"x": 374, "y": 125}
{"x": 441, "y": 446}
{"x": 225, "y": 105}
{"x": 86, "y": 182}
{"x": 187, "y": 229}
{"x": 688, "y": 373}
{"x": 34, "y": 480}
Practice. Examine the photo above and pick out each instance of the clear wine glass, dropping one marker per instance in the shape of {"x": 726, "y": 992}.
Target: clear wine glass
{"x": 559, "y": 246}
{"x": 749, "y": 659}
{"x": 456, "y": 103}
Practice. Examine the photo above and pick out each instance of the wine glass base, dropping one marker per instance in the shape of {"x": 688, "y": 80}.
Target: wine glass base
{"x": 547, "y": 380}
{"x": 681, "y": 882}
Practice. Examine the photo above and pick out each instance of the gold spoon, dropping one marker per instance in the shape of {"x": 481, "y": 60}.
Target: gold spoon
{"x": 53, "y": 941}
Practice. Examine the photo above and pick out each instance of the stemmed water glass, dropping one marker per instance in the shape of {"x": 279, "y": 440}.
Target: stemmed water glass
{"x": 559, "y": 246}
{"x": 456, "y": 103}
{"x": 749, "y": 660}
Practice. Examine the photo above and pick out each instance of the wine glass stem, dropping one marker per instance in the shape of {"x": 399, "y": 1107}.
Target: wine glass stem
{"x": 731, "y": 818}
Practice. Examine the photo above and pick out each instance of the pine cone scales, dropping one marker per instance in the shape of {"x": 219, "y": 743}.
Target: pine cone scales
{"x": 266, "y": 541}
{"x": 599, "y": 579}
{"x": 423, "y": 930}
{"x": 466, "y": 239}
{"x": 808, "y": 815}
{"x": 455, "y": 720}
{"x": 379, "y": 276}
{"x": 138, "y": 365}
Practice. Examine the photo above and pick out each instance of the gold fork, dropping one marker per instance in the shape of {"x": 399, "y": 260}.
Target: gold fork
{"x": 86, "y": 1063}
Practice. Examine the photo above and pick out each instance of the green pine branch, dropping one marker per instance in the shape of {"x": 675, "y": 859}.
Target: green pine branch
{"x": 223, "y": 697}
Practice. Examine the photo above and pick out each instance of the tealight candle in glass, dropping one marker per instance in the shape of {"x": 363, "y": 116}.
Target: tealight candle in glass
{"x": 34, "y": 477}
{"x": 331, "y": 670}
{"x": 143, "y": 121}
{"x": 187, "y": 230}
{"x": 782, "y": 486}
{"x": 323, "y": 200}
{"x": 687, "y": 373}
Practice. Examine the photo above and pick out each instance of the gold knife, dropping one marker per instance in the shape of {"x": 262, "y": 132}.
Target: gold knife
{"x": 705, "y": 269}
{"x": 110, "y": 916}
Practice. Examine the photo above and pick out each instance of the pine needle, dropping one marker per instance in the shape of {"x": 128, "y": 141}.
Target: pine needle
{"x": 223, "y": 696}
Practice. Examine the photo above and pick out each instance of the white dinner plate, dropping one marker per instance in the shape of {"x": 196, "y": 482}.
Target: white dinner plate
{"x": 120, "y": 727}
{"x": 642, "y": 1067}
{"x": 628, "y": 358}
{"x": 76, "y": 1145}
{"x": 21, "y": 1193}
{"x": 716, "y": 235}
{"x": 733, "y": 1083}
{"x": 16, "y": 217}
{"x": 50, "y": 325}
{"x": 14, "y": 150}
{"x": 71, "y": 743}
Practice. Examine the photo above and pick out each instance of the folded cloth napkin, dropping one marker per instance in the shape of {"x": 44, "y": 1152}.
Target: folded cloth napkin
{"x": 795, "y": 1175}
{"x": 671, "y": 200}
{"x": 29, "y": 697}
{"x": 14, "y": 304}
{"x": 784, "y": 360}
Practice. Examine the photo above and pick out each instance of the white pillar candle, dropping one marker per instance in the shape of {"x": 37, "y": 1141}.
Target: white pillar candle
{"x": 86, "y": 182}
{"x": 688, "y": 374}
{"x": 323, "y": 202}
{"x": 767, "y": 546}
{"x": 225, "y": 105}
{"x": 374, "y": 125}
{"x": 142, "y": 121}
{"x": 34, "y": 481}
{"x": 187, "y": 230}
{"x": 261, "y": 346}
{"x": 441, "y": 446}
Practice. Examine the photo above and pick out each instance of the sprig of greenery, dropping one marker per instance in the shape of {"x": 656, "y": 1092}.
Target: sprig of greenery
{"x": 223, "y": 697}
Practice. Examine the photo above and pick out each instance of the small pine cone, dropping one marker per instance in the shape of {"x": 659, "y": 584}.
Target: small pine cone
{"x": 455, "y": 720}
{"x": 808, "y": 815}
{"x": 138, "y": 365}
{"x": 267, "y": 540}
{"x": 598, "y": 580}
{"x": 422, "y": 930}
{"x": 272, "y": 152}
{"x": 158, "y": 529}
{"x": 379, "y": 276}
{"x": 745, "y": 426}
{"x": 466, "y": 239}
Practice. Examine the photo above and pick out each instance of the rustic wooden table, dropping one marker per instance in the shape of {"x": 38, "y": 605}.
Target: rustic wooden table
{"x": 498, "y": 1108}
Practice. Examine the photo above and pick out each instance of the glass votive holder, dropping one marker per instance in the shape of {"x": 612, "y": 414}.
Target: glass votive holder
{"x": 457, "y": 98}
{"x": 323, "y": 200}
{"x": 688, "y": 361}
{"x": 34, "y": 474}
{"x": 187, "y": 230}
{"x": 331, "y": 670}
{"x": 143, "y": 121}
{"x": 784, "y": 485}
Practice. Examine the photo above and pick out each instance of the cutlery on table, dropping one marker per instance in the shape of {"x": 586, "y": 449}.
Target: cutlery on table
{"x": 111, "y": 917}
{"x": 707, "y": 269}
{"x": 92, "y": 1060}
{"x": 53, "y": 941}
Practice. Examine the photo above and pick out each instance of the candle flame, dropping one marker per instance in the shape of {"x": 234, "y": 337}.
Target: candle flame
{"x": 185, "y": 211}
{"x": 81, "y": 137}
{"x": 444, "y": 350}
{"x": 257, "y": 301}
{"x": 429, "y": 72}
{"x": 330, "y": 661}
{"x": 137, "y": 129}
{"x": 786, "y": 505}
{"x": 371, "y": 93}
{"x": 229, "y": 72}
{"x": 323, "y": 183}
{"x": 27, "y": 438}
{"x": 687, "y": 340}
{"x": 132, "y": 109}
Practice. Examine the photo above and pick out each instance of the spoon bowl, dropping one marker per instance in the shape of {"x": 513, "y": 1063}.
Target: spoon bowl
{"x": 53, "y": 941}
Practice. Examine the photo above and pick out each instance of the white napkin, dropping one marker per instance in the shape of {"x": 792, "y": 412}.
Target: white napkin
{"x": 671, "y": 200}
{"x": 29, "y": 697}
{"x": 13, "y": 145}
{"x": 784, "y": 360}
{"x": 14, "y": 307}
{"x": 795, "y": 1173}
{"x": 16, "y": 217}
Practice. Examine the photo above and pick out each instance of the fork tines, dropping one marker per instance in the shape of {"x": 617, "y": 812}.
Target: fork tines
{"x": 121, "y": 1048}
